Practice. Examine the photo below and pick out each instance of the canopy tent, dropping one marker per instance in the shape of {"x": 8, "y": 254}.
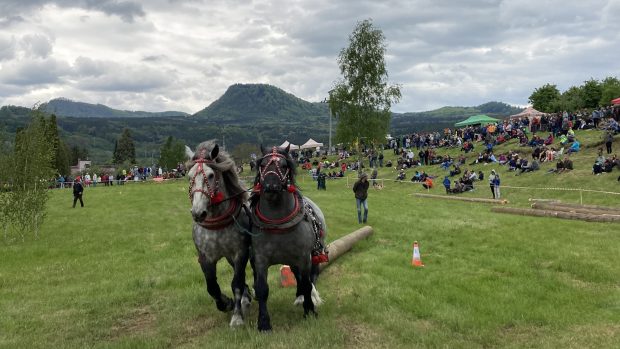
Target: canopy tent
{"x": 311, "y": 143}
{"x": 287, "y": 143}
{"x": 615, "y": 101}
{"x": 529, "y": 112}
{"x": 475, "y": 120}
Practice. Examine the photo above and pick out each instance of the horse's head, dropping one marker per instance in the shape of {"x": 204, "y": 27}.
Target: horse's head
{"x": 276, "y": 170}
{"x": 204, "y": 181}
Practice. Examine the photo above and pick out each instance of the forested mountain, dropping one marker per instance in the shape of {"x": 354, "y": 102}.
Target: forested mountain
{"x": 256, "y": 114}
{"x": 66, "y": 107}
{"x": 248, "y": 103}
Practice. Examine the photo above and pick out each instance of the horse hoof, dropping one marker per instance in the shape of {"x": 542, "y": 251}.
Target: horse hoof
{"x": 265, "y": 329}
{"x": 245, "y": 306}
{"x": 299, "y": 300}
{"x": 225, "y": 306}
{"x": 311, "y": 312}
{"x": 236, "y": 320}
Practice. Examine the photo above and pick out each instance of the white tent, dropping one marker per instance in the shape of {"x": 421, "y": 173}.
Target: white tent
{"x": 287, "y": 143}
{"x": 311, "y": 143}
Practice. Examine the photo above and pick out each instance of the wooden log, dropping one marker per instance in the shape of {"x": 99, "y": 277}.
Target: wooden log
{"x": 459, "y": 198}
{"x": 552, "y": 207}
{"x": 556, "y": 214}
{"x": 339, "y": 247}
{"x": 544, "y": 200}
{"x": 595, "y": 207}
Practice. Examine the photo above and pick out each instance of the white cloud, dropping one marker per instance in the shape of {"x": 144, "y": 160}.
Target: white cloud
{"x": 183, "y": 54}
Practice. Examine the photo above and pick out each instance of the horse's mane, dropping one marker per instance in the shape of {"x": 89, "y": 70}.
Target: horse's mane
{"x": 222, "y": 163}
{"x": 290, "y": 163}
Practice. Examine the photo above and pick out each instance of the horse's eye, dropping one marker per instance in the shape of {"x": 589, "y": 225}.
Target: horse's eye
{"x": 210, "y": 176}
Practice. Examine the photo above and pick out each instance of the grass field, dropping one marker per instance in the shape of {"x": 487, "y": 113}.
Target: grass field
{"x": 122, "y": 272}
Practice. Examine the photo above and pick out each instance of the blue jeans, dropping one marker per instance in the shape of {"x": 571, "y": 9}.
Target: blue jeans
{"x": 360, "y": 203}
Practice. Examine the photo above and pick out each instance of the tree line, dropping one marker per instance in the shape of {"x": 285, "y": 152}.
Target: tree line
{"x": 591, "y": 94}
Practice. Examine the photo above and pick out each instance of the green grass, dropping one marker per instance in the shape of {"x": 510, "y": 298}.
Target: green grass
{"x": 122, "y": 273}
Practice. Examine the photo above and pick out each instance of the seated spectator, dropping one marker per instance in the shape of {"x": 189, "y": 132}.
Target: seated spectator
{"x": 480, "y": 176}
{"x": 549, "y": 139}
{"x": 401, "y": 175}
{"x": 428, "y": 183}
{"x": 574, "y": 147}
{"x": 563, "y": 140}
{"x": 416, "y": 177}
{"x": 455, "y": 170}
{"x": 388, "y": 163}
{"x": 502, "y": 159}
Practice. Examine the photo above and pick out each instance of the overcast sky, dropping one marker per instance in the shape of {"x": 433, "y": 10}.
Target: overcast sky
{"x": 182, "y": 54}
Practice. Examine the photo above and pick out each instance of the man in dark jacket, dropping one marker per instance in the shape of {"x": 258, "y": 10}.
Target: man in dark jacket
{"x": 360, "y": 188}
{"x": 78, "y": 189}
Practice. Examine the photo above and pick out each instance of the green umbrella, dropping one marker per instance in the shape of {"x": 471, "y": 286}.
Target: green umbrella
{"x": 476, "y": 120}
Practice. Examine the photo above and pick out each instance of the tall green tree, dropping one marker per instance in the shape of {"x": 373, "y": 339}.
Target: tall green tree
{"x": 571, "y": 99}
{"x": 610, "y": 89}
{"x": 362, "y": 99}
{"x": 60, "y": 157}
{"x": 125, "y": 150}
{"x": 26, "y": 175}
{"x": 545, "y": 98}
{"x": 172, "y": 153}
{"x": 592, "y": 91}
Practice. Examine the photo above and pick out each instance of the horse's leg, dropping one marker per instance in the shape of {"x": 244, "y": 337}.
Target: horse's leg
{"x": 239, "y": 288}
{"x": 314, "y": 275}
{"x": 306, "y": 288}
{"x": 222, "y": 302}
{"x": 299, "y": 297}
{"x": 262, "y": 293}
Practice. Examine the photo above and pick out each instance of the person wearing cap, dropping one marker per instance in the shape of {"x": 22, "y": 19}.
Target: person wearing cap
{"x": 360, "y": 188}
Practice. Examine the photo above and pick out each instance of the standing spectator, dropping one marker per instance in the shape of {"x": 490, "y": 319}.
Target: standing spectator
{"x": 496, "y": 182}
{"x": 61, "y": 180}
{"x": 492, "y": 182}
{"x": 78, "y": 189}
{"x": 360, "y": 188}
{"x": 609, "y": 139}
{"x": 381, "y": 158}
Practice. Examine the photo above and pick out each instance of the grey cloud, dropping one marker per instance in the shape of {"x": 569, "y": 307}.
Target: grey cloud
{"x": 10, "y": 20}
{"x": 126, "y": 10}
{"x": 33, "y": 72}
{"x": 7, "y": 48}
{"x": 37, "y": 45}
{"x": 133, "y": 79}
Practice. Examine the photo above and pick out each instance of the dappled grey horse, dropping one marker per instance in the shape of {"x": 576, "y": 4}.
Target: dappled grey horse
{"x": 220, "y": 222}
{"x": 287, "y": 229}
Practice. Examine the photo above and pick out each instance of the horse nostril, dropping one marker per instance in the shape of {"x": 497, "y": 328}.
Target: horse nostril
{"x": 201, "y": 216}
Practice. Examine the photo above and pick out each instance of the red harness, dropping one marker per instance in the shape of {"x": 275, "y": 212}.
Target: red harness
{"x": 216, "y": 197}
{"x": 213, "y": 193}
{"x": 225, "y": 219}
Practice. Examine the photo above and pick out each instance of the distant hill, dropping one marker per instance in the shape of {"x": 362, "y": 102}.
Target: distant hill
{"x": 66, "y": 107}
{"x": 253, "y": 113}
{"x": 243, "y": 103}
{"x": 446, "y": 117}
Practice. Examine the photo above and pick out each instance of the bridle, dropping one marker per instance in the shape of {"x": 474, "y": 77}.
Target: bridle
{"x": 211, "y": 192}
{"x": 274, "y": 158}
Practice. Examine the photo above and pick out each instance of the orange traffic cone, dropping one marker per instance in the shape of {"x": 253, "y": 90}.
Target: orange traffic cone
{"x": 287, "y": 278}
{"x": 415, "y": 260}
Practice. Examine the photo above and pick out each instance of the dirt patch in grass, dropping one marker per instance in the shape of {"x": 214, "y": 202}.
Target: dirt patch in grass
{"x": 138, "y": 321}
{"x": 358, "y": 335}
